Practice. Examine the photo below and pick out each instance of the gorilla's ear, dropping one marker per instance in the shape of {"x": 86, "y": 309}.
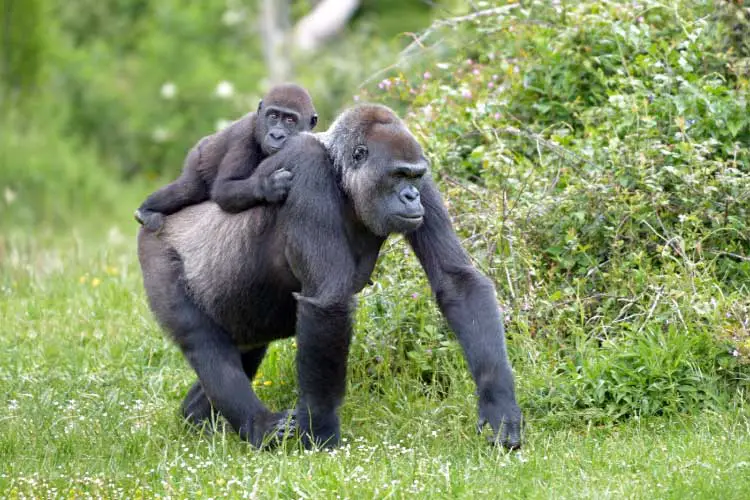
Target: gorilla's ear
{"x": 313, "y": 120}
{"x": 260, "y": 105}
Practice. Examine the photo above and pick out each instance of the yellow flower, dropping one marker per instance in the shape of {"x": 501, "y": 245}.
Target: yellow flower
{"x": 111, "y": 270}
{"x": 96, "y": 282}
{"x": 267, "y": 383}
{"x": 83, "y": 279}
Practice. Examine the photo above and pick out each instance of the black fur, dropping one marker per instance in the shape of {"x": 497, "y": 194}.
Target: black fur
{"x": 293, "y": 269}
{"x": 221, "y": 166}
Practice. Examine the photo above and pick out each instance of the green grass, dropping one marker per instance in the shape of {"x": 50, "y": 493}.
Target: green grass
{"x": 91, "y": 392}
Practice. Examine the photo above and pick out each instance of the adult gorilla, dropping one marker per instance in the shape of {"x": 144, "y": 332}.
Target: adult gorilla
{"x": 225, "y": 285}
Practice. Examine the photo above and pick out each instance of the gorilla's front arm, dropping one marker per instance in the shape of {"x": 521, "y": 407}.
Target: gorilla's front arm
{"x": 320, "y": 257}
{"x": 467, "y": 299}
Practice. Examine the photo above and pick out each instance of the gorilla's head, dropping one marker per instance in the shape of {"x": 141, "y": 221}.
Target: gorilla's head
{"x": 381, "y": 167}
{"x": 285, "y": 111}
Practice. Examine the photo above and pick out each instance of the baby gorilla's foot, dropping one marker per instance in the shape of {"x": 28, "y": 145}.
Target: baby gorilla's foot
{"x": 151, "y": 221}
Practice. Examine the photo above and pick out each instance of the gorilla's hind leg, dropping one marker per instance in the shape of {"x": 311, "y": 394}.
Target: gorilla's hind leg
{"x": 219, "y": 365}
{"x": 197, "y": 409}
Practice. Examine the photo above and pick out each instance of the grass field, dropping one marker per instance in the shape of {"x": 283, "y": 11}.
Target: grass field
{"x": 91, "y": 392}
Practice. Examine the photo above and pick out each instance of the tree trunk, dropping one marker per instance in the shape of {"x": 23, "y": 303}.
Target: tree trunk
{"x": 326, "y": 20}
{"x": 274, "y": 27}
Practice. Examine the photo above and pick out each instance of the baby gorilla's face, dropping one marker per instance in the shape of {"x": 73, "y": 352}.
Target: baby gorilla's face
{"x": 284, "y": 112}
{"x": 280, "y": 124}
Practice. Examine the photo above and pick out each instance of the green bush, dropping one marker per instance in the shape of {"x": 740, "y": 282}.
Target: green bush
{"x": 23, "y": 44}
{"x": 595, "y": 157}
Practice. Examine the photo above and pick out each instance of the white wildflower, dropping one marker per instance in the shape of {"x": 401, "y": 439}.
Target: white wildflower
{"x": 224, "y": 90}
{"x": 160, "y": 134}
{"x": 168, "y": 90}
{"x": 9, "y": 195}
{"x": 221, "y": 124}
{"x": 232, "y": 17}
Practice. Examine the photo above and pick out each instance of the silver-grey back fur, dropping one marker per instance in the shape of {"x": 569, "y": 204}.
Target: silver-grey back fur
{"x": 210, "y": 242}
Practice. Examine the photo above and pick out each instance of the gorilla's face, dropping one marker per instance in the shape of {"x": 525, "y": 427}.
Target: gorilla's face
{"x": 383, "y": 174}
{"x": 284, "y": 112}
{"x": 277, "y": 125}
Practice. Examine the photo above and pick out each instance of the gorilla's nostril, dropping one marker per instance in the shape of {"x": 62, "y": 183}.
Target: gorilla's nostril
{"x": 409, "y": 194}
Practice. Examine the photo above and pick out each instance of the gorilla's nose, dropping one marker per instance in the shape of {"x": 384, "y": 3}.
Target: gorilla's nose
{"x": 409, "y": 195}
{"x": 277, "y": 136}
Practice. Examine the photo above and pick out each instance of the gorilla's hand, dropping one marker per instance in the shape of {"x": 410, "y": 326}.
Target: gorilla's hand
{"x": 277, "y": 185}
{"x": 504, "y": 417}
{"x": 268, "y": 429}
{"x": 152, "y": 221}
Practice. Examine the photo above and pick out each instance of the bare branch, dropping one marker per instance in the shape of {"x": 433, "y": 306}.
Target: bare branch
{"x": 418, "y": 41}
{"x": 553, "y": 146}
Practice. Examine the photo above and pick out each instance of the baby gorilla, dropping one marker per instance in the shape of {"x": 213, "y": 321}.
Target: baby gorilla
{"x": 221, "y": 165}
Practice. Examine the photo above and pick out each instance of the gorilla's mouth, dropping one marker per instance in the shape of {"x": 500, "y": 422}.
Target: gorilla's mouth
{"x": 408, "y": 221}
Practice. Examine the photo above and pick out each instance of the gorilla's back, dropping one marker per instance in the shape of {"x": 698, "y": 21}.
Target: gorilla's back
{"x": 230, "y": 271}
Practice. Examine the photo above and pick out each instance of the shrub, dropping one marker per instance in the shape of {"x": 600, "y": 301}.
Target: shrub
{"x": 595, "y": 157}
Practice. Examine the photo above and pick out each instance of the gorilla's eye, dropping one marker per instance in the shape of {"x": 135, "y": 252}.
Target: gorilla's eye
{"x": 290, "y": 120}
{"x": 273, "y": 115}
{"x": 360, "y": 153}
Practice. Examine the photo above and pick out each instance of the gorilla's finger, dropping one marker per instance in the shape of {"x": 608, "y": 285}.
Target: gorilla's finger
{"x": 283, "y": 173}
{"x": 508, "y": 435}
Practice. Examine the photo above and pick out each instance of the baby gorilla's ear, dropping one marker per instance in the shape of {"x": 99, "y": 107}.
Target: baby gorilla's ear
{"x": 313, "y": 121}
{"x": 260, "y": 105}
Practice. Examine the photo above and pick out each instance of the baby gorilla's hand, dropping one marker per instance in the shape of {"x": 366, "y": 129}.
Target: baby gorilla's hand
{"x": 276, "y": 187}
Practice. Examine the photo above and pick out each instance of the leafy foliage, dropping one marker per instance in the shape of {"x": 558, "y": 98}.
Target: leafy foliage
{"x": 23, "y": 44}
{"x": 596, "y": 158}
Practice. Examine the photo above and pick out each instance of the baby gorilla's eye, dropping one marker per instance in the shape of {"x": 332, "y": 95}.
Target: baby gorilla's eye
{"x": 273, "y": 115}
{"x": 291, "y": 120}
{"x": 360, "y": 153}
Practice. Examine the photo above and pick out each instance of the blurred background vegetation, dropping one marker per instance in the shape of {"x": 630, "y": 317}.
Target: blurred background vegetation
{"x": 595, "y": 156}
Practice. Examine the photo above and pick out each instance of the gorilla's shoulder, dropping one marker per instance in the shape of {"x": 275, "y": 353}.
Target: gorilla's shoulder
{"x": 309, "y": 155}
{"x": 315, "y": 183}
{"x": 309, "y": 142}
